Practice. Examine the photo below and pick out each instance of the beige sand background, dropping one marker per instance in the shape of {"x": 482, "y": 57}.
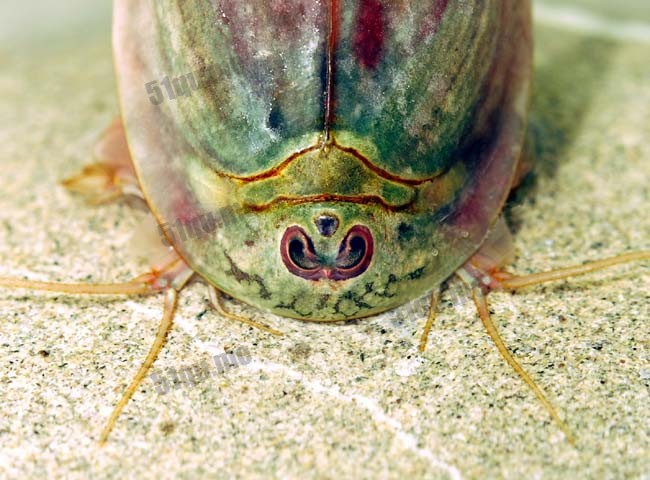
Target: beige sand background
{"x": 355, "y": 400}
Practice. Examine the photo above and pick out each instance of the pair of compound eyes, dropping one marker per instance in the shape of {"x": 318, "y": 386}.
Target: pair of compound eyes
{"x": 301, "y": 259}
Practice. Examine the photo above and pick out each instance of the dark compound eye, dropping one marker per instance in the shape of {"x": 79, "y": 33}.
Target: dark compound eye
{"x": 355, "y": 253}
{"x": 301, "y": 252}
{"x": 298, "y": 254}
{"x": 327, "y": 225}
{"x": 351, "y": 252}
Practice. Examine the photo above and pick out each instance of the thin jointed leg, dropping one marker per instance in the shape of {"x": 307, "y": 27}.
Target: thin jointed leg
{"x": 169, "y": 278}
{"x": 216, "y": 299}
{"x": 512, "y": 282}
{"x": 433, "y": 306}
{"x": 482, "y": 306}
{"x": 133, "y": 287}
{"x": 171, "y": 297}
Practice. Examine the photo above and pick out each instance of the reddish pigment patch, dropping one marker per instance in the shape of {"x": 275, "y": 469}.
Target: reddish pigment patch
{"x": 274, "y": 24}
{"x": 369, "y": 35}
{"x": 184, "y": 206}
{"x": 432, "y": 20}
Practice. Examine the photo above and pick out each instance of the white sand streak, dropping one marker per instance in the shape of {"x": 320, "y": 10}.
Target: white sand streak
{"x": 409, "y": 441}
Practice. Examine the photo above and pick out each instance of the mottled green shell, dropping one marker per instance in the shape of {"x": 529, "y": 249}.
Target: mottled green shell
{"x": 399, "y": 121}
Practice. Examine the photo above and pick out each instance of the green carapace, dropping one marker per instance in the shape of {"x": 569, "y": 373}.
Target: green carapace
{"x": 350, "y": 155}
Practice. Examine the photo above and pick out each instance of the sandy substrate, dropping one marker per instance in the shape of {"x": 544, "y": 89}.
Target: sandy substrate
{"x": 355, "y": 400}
